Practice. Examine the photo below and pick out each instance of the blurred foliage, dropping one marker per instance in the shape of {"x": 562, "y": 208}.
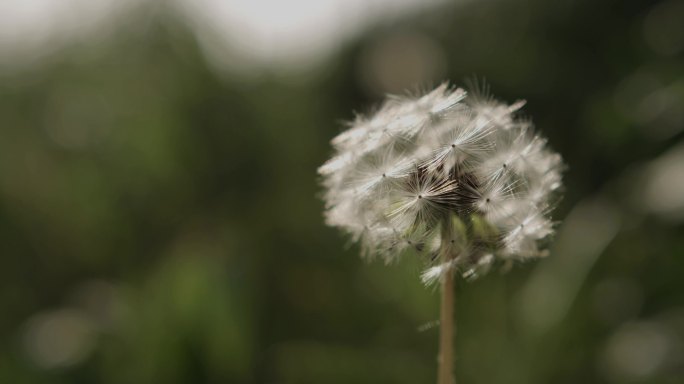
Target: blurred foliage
{"x": 159, "y": 223}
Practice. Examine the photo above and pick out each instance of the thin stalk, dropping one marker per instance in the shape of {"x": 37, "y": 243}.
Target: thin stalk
{"x": 446, "y": 328}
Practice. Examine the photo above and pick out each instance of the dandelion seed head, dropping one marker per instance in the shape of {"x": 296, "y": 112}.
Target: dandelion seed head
{"x": 400, "y": 174}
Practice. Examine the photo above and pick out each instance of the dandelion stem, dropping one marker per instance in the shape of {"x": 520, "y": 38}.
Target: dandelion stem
{"x": 446, "y": 329}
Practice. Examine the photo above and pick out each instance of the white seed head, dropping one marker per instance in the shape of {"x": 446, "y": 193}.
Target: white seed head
{"x": 399, "y": 176}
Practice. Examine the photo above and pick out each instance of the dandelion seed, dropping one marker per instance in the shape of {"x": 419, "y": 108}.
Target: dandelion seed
{"x": 400, "y": 177}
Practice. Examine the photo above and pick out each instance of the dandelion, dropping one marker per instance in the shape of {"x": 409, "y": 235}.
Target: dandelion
{"x": 456, "y": 178}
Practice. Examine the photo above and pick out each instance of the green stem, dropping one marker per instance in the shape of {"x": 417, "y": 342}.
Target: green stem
{"x": 446, "y": 334}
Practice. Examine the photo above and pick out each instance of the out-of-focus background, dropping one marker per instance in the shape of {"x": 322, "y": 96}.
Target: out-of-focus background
{"x": 159, "y": 218}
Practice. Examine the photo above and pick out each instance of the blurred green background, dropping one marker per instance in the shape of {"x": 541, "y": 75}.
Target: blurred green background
{"x": 160, "y": 219}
